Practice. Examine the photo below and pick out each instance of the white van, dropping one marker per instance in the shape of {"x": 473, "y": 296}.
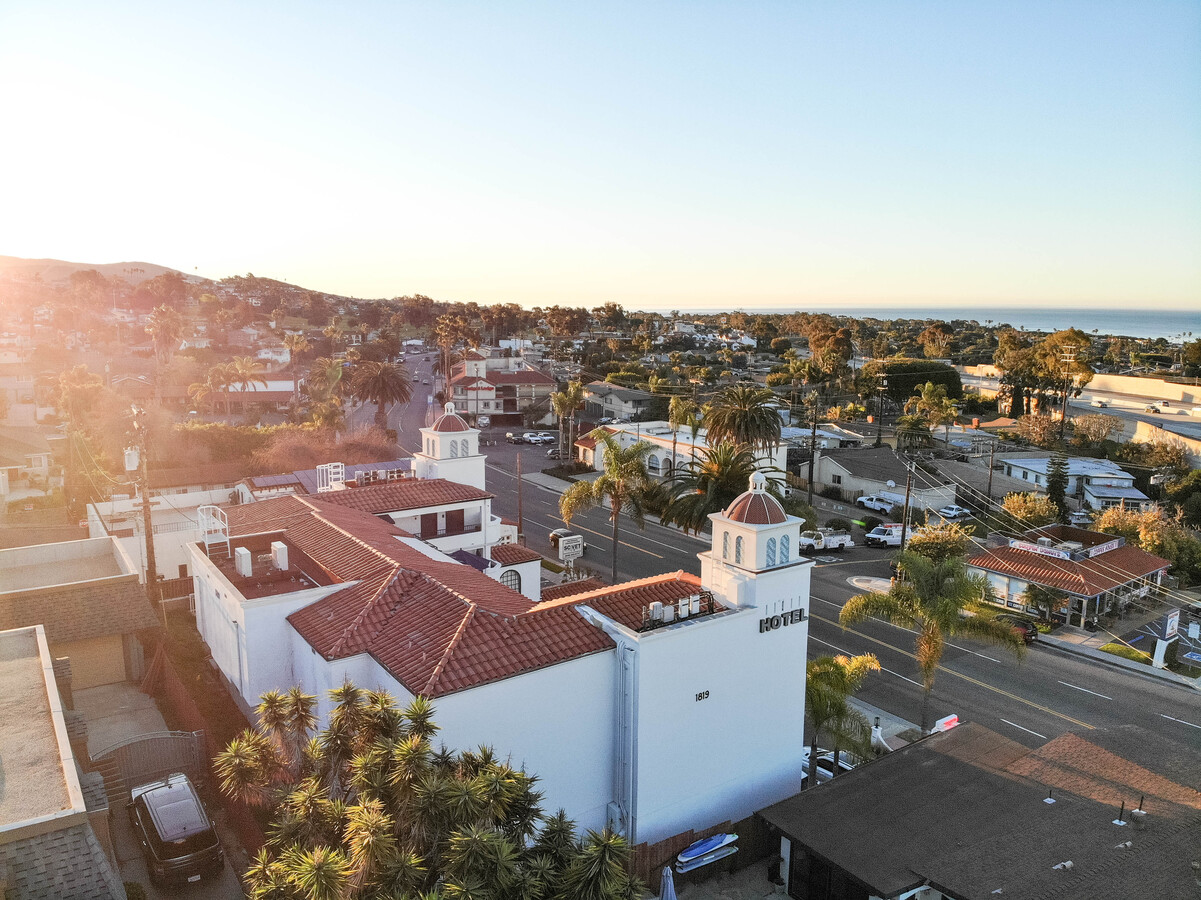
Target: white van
{"x": 483, "y": 422}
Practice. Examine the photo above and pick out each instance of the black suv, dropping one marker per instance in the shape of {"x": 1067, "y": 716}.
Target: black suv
{"x": 1028, "y": 629}
{"x": 178, "y": 839}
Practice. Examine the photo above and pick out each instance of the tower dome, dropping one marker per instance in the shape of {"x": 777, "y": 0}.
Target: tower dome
{"x": 450, "y": 421}
{"x": 756, "y": 506}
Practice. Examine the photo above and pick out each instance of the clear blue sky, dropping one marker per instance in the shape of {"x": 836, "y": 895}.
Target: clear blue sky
{"x": 657, "y": 154}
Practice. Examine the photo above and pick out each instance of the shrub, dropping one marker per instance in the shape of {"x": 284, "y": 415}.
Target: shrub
{"x": 830, "y": 492}
{"x": 838, "y": 524}
{"x": 870, "y": 522}
{"x": 134, "y": 891}
{"x": 1126, "y": 652}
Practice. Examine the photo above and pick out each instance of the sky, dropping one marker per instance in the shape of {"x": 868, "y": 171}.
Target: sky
{"x": 694, "y": 154}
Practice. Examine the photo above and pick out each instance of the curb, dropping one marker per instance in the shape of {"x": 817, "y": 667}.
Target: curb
{"x": 1117, "y": 661}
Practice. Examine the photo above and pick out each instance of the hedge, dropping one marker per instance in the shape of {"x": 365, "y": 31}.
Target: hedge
{"x": 906, "y": 376}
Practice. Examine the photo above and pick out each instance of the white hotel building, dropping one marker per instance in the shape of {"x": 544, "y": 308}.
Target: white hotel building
{"x": 654, "y": 706}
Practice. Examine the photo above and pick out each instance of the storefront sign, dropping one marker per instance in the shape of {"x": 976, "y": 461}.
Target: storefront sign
{"x": 1166, "y": 626}
{"x": 1039, "y": 549}
{"x": 571, "y": 547}
{"x": 771, "y": 623}
{"x": 1104, "y": 548}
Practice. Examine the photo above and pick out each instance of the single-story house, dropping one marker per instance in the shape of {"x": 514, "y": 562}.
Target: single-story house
{"x": 870, "y": 470}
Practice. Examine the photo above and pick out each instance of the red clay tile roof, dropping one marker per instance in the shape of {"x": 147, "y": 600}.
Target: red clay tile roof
{"x": 624, "y": 603}
{"x": 521, "y": 376}
{"x": 756, "y": 508}
{"x": 472, "y": 382}
{"x": 512, "y": 554}
{"x": 589, "y": 442}
{"x": 408, "y": 493}
{"x": 437, "y": 626}
{"x": 571, "y": 588}
{"x": 1085, "y": 578}
{"x": 450, "y": 422}
{"x": 473, "y": 356}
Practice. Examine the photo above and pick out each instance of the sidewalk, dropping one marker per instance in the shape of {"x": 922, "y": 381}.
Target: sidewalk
{"x": 1069, "y": 639}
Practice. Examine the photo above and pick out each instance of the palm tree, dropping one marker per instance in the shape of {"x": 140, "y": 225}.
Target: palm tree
{"x": 202, "y": 392}
{"x": 933, "y": 405}
{"x": 829, "y": 683}
{"x": 566, "y": 403}
{"x": 710, "y": 484}
{"x": 622, "y": 484}
{"x": 244, "y": 371}
{"x": 165, "y": 326}
{"x": 296, "y": 344}
{"x": 937, "y": 599}
{"x": 221, "y": 376}
{"x": 744, "y": 414}
{"x": 366, "y": 808}
{"x": 680, "y": 411}
{"x": 383, "y": 384}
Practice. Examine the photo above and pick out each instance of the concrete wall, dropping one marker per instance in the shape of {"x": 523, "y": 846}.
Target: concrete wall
{"x": 1147, "y": 387}
{"x": 738, "y": 747}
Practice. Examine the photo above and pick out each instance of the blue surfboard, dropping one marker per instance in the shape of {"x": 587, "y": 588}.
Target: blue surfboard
{"x": 704, "y": 846}
{"x": 710, "y": 857}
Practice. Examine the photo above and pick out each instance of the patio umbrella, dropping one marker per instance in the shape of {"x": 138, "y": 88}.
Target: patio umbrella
{"x": 667, "y": 885}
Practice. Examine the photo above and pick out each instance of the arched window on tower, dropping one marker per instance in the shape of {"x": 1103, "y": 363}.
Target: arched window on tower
{"x": 454, "y": 449}
{"x": 738, "y": 549}
{"x": 511, "y": 579}
{"x": 725, "y": 545}
{"x": 771, "y": 552}
{"x": 784, "y": 549}
{"x": 463, "y": 447}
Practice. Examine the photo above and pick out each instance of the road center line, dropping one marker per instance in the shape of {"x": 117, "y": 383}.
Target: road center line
{"x": 849, "y": 653}
{"x": 1086, "y": 690}
{"x": 1027, "y": 730}
{"x": 1181, "y": 721}
{"x": 975, "y": 681}
{"x": 911, "y": 631}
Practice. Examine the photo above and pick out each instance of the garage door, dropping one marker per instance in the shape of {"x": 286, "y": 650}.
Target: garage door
{"x": 94, "y": 661}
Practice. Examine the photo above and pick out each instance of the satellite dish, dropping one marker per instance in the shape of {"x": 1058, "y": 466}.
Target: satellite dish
{"x": 891, "y": 483}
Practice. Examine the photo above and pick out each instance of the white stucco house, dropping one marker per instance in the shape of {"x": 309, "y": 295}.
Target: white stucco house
{"x": 671, "y": 448}
{"x": 1097, "y": 483}
{"x": 610, "y": 694}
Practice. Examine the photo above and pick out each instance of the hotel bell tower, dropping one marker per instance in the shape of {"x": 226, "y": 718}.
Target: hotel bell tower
{"x": 754, "y": 559}
{"x": 450, "y": 449}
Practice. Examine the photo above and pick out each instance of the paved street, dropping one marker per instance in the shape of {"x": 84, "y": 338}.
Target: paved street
{"x": 1047, "y": 694}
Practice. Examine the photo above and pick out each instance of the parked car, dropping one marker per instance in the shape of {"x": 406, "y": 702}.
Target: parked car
{"x": 1022, "y": 624}
{"x": 1099, "y": 403}
{"x": 514, "y": 438}
{"x": 559, "y": 533}
{"x": 825, "y": 765}
{"x": 483, "y": 422}
{"x": 884, "y": 536}
{"x": 952, "y": 511}
{"x": 554, "y": 453}
{"x": 177, "y": 836}
{"x": 1080, "y": 517}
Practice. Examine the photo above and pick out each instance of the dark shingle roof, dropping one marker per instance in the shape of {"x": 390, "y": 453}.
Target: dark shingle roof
{"x": 68, "y": 863}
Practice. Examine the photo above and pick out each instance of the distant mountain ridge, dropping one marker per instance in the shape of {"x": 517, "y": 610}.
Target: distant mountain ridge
{"x": 58, "y": 270}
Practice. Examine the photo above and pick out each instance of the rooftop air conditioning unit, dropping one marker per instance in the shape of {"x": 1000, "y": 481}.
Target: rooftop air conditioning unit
{"x": 242, "y": 562}
{"x": 657, "y": 611}
{"x": 683, "y": 608}
{"x": 279, "y": 555}
{"x": 1044, "y": 542}
{"x": 1070, "y": 546}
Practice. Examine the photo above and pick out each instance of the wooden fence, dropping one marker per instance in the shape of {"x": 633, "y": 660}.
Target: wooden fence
{"x": 755, "y": 842}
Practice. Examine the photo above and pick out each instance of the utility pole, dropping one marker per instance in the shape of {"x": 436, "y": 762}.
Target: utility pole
{"x": 992, "y": 455}
{"x": 1067, "y": 357}
{"x": 520, "y": 506}
{"x": 905, "y": 517}
{"x": 880, "y": 408}
{"x": 812, "y": 449}
{"x": 153, "y": 591}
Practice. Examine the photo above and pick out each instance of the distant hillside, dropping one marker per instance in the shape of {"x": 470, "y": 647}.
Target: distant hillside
{"x": 53, "y": 271}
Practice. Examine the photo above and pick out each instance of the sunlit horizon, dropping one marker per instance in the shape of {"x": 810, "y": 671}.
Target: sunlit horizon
{"x": 664, "y": 156}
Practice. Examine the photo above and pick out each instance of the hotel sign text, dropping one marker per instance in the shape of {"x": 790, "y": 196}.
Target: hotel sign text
{"x": 771, "y": 623}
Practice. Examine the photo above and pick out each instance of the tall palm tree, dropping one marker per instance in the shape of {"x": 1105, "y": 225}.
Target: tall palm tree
{"x": 383, "y": 384}
{"x": 829, "y": 683}
{"x": 744, "y": 414}
{"x": 245, "y": 372}
{"x": 296, "y": 344}
{"x": 933, "y": 405}
{"x": 937, "y": 600}
{"x": 680, "y": 411}
{"x": 221, "y": 376}
{"x": 622, "y": 484}
{"x": 710, "y": 483}
{"x": 565, "y": 403}
{"x": 165, "y": 327}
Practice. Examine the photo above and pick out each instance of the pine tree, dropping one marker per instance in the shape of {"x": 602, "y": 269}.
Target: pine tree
{"x": 1057, "y": 483}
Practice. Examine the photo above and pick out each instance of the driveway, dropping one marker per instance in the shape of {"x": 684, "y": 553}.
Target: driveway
{"x": 118, "y": 712}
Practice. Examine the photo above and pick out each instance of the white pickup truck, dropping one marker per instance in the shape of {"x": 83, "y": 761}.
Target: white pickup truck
{"x": 881, "y": 502}
{"x": 825, "y": 539}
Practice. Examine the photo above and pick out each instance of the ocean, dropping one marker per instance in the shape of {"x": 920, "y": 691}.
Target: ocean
{"x": 1173, "y": 324}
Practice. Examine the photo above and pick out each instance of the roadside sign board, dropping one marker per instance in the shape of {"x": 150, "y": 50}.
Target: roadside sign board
{"x": 571, "y": 547}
